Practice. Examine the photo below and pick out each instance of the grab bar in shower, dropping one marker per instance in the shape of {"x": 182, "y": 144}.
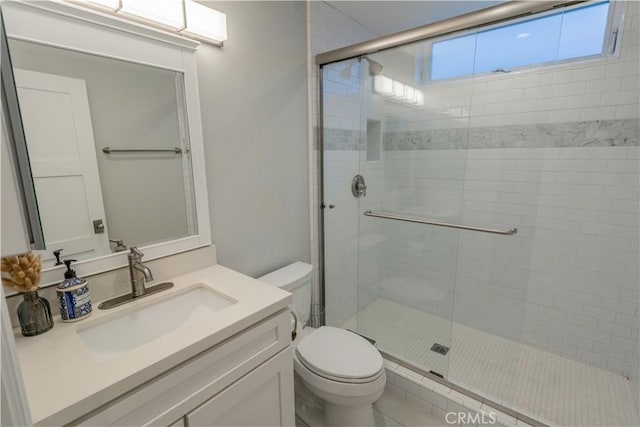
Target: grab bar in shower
{"x": 384, "y": 215}
{"x": 109, "y": 150}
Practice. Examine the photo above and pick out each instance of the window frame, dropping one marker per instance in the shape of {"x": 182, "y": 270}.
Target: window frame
{"x": 610, "y": 49}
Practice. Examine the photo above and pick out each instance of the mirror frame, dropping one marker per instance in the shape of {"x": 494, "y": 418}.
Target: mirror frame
{"x": 57, "y": 24}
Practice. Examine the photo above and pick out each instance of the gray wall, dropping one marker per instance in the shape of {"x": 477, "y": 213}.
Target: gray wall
{"x": 254, "y": 117}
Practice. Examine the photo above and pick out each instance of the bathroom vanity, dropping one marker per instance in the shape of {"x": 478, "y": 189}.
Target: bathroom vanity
{"x": 213, "y": 350}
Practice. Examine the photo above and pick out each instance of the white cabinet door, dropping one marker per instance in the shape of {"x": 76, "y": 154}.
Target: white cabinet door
{"x": 264, "y": 397}
{"x": 190, "y": 385}
{"x": 59, "y": 135}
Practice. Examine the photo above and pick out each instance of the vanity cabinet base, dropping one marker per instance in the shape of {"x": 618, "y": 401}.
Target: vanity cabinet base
{"x": 245, "y": 380}
{"x": 264, "y": 397}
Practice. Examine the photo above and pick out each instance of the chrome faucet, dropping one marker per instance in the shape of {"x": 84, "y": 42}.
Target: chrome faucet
{"x": 139, "y": 273}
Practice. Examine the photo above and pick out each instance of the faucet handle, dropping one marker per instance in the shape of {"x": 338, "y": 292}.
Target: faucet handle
{"x": 136, "y": 252}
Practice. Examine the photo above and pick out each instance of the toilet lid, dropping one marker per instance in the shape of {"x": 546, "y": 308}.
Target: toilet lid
{"x": 338, "y": 353}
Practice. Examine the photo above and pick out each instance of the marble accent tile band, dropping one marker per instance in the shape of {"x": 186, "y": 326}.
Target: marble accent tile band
{"x": 598, "y": 133}
{"x": 341, "y": 139}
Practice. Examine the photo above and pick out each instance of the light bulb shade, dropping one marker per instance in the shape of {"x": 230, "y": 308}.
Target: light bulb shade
{"x": 383, "y": 85}
{"x": 398, "y": 89}
{"x": 204, "y": 22}
{"x": 410, "y": 95}
{"x": 165, "y": 12}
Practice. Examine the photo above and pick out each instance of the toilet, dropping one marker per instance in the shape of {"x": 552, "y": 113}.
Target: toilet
{"x": 339, "y": 367}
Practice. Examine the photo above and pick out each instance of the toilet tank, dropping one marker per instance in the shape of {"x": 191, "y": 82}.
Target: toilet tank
{"x": 294, "y": 278}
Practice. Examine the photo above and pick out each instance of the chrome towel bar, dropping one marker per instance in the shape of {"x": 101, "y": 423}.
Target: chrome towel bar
{"x": 384, "y": 215}
{"x": 109, "y": 150}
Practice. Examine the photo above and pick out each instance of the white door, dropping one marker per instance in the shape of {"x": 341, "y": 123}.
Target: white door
{"x": 57, "y": 125}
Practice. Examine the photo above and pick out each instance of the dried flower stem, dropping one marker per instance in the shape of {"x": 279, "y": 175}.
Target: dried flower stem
{"x": 22, "y": 272}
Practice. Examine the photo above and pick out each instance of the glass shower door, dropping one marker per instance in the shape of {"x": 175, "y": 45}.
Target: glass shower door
{"x": 412, "y": 155}
{"x": 542, "y": 321}
{"x": 341, "y": 108}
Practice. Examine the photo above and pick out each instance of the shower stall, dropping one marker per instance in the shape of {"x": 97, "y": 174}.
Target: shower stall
{"x": 479, "y": 219}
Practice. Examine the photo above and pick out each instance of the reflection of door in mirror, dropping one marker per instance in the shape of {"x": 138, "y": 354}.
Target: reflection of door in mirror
{"x": 65, "y": 174}
{"x": 143, "y": 182}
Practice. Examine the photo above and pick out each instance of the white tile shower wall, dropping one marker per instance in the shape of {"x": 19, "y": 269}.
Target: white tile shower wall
{"x": 330, "y": 29}
{"x": 568, "y": 281}
{"x": 569, "y": 278}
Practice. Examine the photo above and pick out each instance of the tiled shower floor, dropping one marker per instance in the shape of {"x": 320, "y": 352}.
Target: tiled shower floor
{"x": 551, "y": 388}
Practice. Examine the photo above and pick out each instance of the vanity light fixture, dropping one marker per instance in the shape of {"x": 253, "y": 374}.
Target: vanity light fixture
{"x": 166, "y": 12}
{"x": 202, "y": 22}
{"x": 397, "y": 91}
{"x": 185, "y": 17}
{"x": 383, "y": 85}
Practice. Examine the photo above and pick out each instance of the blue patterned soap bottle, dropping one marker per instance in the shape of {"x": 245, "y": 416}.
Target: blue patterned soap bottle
{"x": 73, "y": 295}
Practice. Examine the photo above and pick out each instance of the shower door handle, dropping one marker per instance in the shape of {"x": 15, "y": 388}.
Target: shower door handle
{"x": 358, "y": 186}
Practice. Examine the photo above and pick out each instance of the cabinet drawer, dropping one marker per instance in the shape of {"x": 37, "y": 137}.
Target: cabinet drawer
{"x": 263, "y": 397}
{"x": 169, "y": 396}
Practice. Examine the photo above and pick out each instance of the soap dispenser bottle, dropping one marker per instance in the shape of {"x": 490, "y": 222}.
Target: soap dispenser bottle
{"x": 73, "y": 295}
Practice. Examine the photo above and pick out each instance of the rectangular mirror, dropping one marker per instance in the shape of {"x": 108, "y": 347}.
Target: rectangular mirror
{"x": 109, "y": 149}
{"x": 21, "y": 227}
{"x": 112, "y": 124}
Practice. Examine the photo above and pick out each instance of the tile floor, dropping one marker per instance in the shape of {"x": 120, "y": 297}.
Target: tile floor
{"x": 554, "y": 389}
{"x": 445, "y": 403}
{"x": 392, "y": 410}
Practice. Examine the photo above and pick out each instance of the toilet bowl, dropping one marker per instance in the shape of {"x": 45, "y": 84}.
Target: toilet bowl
{"x": 338, "y": 366}
{"x": 344, "y": 370}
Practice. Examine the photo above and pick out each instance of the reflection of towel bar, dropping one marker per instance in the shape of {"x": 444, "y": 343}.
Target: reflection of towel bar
{"x": 108, "y": 150}
{"x": 507, "y": 232}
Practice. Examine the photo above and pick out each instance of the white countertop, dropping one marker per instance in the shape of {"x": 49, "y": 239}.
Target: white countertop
{"x": 64, "y": 381}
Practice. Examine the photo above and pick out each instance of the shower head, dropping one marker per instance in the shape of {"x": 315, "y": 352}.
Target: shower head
{"x": 375, "y": 67}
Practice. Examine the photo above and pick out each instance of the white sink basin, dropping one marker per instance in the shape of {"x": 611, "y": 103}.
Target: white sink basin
{"x": 108, "y": 338}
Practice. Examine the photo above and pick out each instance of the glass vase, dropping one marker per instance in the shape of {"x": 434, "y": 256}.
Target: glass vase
{"x": 34, "y": 314}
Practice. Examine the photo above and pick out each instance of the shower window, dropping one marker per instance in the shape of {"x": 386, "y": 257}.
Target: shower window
{"x": 577, "y": 33}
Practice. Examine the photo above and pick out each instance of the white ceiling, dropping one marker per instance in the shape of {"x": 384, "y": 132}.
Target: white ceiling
{"x": 387, "y": 17}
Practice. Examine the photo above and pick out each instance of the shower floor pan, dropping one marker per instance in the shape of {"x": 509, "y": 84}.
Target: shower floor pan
{"x": 539, "y": 384}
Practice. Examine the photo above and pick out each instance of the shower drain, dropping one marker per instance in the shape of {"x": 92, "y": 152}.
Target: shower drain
{"x": 440, "y": 349}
